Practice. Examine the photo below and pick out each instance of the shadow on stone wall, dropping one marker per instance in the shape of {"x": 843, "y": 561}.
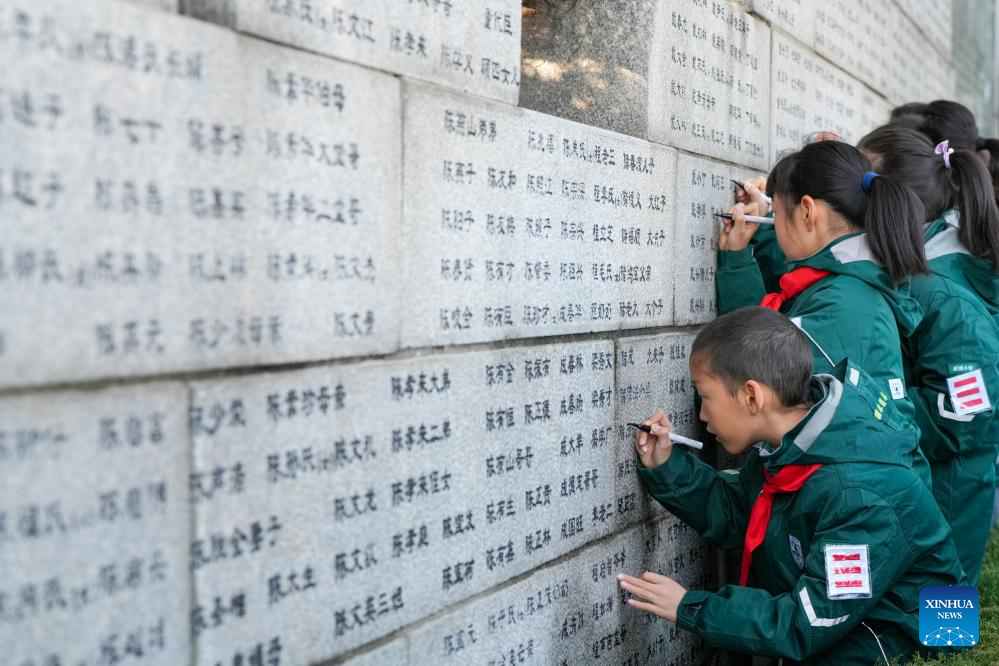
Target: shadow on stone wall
{"x": 588, "y": 61}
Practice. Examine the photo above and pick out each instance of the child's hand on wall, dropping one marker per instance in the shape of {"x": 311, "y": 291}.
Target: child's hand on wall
{"x": 656, "y": 594}
{"x": 654, "y": 448}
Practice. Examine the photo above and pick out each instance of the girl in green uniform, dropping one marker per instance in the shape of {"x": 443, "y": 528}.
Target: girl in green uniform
{"x": 946, "y": 120}
{"x": 852, "y": 240}
{"x": 951, "y": 358}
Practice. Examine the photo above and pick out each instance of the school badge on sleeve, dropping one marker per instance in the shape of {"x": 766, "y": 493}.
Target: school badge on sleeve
{"x": 948, "y": 616}
{"x": 968, "y": 393}
{"x": 848, "y": 571}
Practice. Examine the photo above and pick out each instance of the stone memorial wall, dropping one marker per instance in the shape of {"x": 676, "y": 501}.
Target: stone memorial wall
{"x": 320, "y": 321}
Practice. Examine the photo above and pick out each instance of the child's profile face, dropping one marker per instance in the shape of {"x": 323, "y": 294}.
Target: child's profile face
{"x": 786, "y": 221}
{"x": 725, "y": 415}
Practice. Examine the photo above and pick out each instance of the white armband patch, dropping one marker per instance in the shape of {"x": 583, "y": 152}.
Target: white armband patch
{"x": 848, "y": 571}
{"x": 968, "y": 393}
{"x": 897, "y": 388}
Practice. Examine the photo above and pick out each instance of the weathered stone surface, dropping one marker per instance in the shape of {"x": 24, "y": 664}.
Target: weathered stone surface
{"x": 94, "y": 527}
{"x": 518, "y": 224}
{"x": 975, "y": 61}
{"x": 810, "y": 95}
{"x": 709, "y": 90}
{"x": 703, "y": 187}
{"x": 855, "y": 35}
{"x": 574, "y": 612}
{"x": 471, "y": 45}
{"x": 934, "y": 18}
{"x": 911, "y": 53}
{"x": 334, "y": 505}
{"x": 589, "y": 62}
{"x": 178, "y": 197}
{"x": 187, "y": 198}
{"x": 651, "y": 374}
{"x": 796, "y": 17}
{"x": 688, "y": 75}
{"x": 879, "y": 44}
{"x": 168, "y": 5}
{"x": 394, "y": 653}
{"x": 874, "y": 112}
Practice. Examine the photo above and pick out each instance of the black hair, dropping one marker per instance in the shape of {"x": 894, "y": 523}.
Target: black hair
{"x": 891, "y": 214}
{"x": 945, "y": 119}
{"x": 939, "y": 120}
{"x": 760, "y": 344}
{"x": 910, "y": 155}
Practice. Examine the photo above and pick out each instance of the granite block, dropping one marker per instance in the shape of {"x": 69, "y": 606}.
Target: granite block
{"x": 94, "y": 527}
{"x": 517, "y": 224}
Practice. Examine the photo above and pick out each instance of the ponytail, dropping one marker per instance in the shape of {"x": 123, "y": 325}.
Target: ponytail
{"x": 911, "y": 115}
{"x": 945, "y": 119}
{"x": 893, "y": 220}
{"x": 975, "y": 201}
{"x": 890, "y": 213}
{"x": 958, "y": 180}
{"x": 991, "y": 146}
{"x": 940, "y": 119}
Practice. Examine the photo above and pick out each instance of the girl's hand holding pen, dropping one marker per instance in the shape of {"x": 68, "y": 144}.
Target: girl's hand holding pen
{"x": 752, "y": 191}
{"x": 737, "y": 232}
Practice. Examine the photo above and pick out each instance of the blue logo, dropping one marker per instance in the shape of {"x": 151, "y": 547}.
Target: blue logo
{"x": 948, "y": 616}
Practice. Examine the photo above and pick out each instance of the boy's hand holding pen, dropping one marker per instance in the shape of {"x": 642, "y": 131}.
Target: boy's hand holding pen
{"x": 654, "y": 445}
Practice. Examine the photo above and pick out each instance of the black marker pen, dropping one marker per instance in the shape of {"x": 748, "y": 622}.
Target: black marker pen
{"x": 676, "y": 439}
{"x": 749, "y": 218}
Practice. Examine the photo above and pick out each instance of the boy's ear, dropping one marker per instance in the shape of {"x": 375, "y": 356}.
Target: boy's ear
{"x": 753, "y": 396}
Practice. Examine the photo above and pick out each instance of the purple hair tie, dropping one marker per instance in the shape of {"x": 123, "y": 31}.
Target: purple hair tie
{"x": 943, "y": 148}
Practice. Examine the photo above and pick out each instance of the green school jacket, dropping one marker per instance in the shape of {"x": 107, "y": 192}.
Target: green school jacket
{"x": 864, "y": 495}
{"x": 854, "y": 313}
{"x": 959, "y": 333}
{"x": 769, "y": 257}
{"x": 949, "y": 257}
{"x": 956, "y": 335}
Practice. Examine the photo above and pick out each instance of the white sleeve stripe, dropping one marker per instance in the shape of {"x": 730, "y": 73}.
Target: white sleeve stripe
{"x": 813, "y": 619}
{"x": 797, "y": 322}
{"x": 947, "y": 414}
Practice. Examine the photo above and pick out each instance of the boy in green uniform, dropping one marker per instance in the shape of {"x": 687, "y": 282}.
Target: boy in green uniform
{"x": 839, "y": 536}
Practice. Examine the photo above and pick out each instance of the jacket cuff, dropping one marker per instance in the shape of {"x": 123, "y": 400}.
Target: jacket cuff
{"x": 736, "y": 258}
{"x": 690, "y": 606}
{"x": 765, "y": 234}
{"x": 665, "y": 478}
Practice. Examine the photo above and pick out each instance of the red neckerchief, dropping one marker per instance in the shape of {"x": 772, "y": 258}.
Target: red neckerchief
{"x": 789, "y": 479}
{"x": 792, "y": 284}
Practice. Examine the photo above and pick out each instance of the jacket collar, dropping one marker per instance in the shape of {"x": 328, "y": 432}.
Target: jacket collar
{"x": 850, "y": 420}
{"x": 851, "y": 255}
